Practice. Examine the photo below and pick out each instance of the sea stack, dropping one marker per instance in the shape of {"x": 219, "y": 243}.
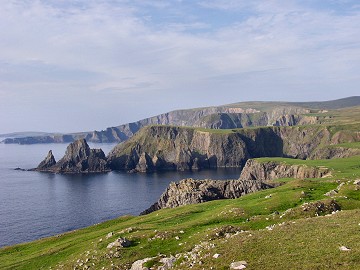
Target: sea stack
{"x": 48, "y": 162}
{"x": 78, "y": 158}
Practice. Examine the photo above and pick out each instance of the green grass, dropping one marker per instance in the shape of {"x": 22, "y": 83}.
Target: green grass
{"x": 355, "y": 145}
{"x": 306, "y": 244}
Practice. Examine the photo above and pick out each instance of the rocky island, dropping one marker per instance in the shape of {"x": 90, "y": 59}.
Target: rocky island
{"x": 78, "y": 158}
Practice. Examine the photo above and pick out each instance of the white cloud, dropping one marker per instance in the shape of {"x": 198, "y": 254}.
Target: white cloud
{"x": 122, "y": 50}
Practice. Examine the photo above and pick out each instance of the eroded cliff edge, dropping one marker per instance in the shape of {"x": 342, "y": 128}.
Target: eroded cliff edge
{"x": 157, "y": 148}
{"x": 255, "y": 176}
{"x": 270, "y": 170}
{"x": 190, "y": 191}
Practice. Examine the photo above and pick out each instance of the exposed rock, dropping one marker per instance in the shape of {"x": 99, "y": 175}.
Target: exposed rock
{"x": 331, "y": 193}
{"x": 138, "y": 265}
{"x": 48, "y": 162}
{"x": 156, "y": 148}
{"x": 78, "y": 158}
{"x": 244, "y": 114}
{"x": 110, "y": 234}
{"x": 256, "y": 170}
{"x": 120, "y": 242}
{"x": 165, "y": 263}
{"x": 168, "y": 263}
{"x": 190, "y": 191}
{"x": 332, "y": 151}
{"x": 173, "y": 148}
{"x": 321, "y": 207}
{"x": 344, "y": 248}
{"x": 238, "y": 265}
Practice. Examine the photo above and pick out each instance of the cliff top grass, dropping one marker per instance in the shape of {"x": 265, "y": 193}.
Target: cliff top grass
{"x": 294, "y": 239}
{"x": 343, "y": 168}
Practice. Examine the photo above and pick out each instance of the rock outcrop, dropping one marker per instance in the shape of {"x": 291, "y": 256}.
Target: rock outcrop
{"x": 179, "y": 148}
{"x": 237, "y": 115}
{"x": 190, "y": 191}
{"x": 78, "y": 158}
{"x": 257, "y": 170}
{"x": 48, "y": 162}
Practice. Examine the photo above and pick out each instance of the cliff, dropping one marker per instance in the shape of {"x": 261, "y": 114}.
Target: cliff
{"x": 257, "y": 170}
{"x": 237, "y": 115}
{"x": 78, "y": 158}
{"x": 189, "y": 191}
{"x": 179, "y": 148}
{"x": 174, "y": 148}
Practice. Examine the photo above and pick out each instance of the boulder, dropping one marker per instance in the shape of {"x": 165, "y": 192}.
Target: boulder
{"x": 120, "y": 242}
{"x": 238, "y": 265}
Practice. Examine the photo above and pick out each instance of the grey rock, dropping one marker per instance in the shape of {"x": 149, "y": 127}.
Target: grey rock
{"x": 78, "y": 158}
{"x": 120, "y": 242}
{"x": 331, "y": 193}
{"x": 190, "y": 191}
{"x": 138, "y": 265}
{"x": 255, "y": 170}
{"x": 167, "y": 262}
{"x": 48, "y": 162}
{"x": 238, "y": 265}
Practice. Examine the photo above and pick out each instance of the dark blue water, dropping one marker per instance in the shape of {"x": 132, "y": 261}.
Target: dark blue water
{"x": 35, "y": 205}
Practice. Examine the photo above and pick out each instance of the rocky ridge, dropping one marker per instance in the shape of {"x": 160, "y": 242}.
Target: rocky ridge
{"x": 78, "y": 158}
{"x": 270, "y": 170}
{"x": 157, "y": 148}
{"x": 237, "y": 115}
{"x": 190, "y": 191}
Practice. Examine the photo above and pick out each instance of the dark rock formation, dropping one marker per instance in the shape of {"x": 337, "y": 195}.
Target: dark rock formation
{"x": 189, "y": 191}
{"x": 174, "y": 148}
{"x": 237, "y": 115}
{"x": 79, "y": 158}
{"x": 178, "y": 148}
{"x": 48, "y": 162}
{"x": 255, "y": 170}
{"x": 332, "y": 151}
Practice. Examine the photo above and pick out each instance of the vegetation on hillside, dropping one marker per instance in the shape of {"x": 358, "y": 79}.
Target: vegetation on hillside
{"x": 270, "y": 229}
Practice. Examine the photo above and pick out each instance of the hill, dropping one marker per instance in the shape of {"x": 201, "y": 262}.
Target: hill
{"x": 236, "y": 115}
{"x": 296, "y": 225}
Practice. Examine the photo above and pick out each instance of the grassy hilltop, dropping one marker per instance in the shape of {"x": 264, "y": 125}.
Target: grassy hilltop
{"x": 288, "y": 227}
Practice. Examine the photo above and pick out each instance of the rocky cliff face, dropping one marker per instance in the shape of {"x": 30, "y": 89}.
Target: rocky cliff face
{"x": 48, "y": 162}
{"x": 178, "y": 148}
{"x": 78, "y": 158}
{"x": 256, "y": 170}
{"x": 189, "y": 191}
{"x": 175, "y": 148}
{"x": 220, "y": 117}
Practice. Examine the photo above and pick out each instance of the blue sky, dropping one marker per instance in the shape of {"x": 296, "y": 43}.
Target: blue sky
{"x": 88, "y": 64}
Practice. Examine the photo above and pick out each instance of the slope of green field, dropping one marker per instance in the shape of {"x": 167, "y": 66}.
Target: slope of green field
{"x": 289, "y": 227}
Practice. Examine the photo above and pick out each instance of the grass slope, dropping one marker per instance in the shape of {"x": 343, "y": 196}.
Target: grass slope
{"x": 300, "y": 242}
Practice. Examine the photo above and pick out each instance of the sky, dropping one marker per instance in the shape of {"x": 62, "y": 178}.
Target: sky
{"x": 83, "y": 65}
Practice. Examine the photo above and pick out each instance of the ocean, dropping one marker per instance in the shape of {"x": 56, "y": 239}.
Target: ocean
{"x": 34, "y": 205}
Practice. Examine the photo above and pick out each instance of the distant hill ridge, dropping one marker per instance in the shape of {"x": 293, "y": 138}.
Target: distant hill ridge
{"x": 236, "y": 115}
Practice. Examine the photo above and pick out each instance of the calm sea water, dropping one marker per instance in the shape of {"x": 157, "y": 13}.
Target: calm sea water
{"x": 35, "y": 205}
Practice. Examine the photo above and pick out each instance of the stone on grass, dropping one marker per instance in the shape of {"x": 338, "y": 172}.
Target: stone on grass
{"x": 120, "y": 242}
{"x": 217, "y": 255}
{"x": 344, "y": 248}
{"x": 138, "y": 265}
{"x": 238, "y": 265}
{"x": 168, "y": 263}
